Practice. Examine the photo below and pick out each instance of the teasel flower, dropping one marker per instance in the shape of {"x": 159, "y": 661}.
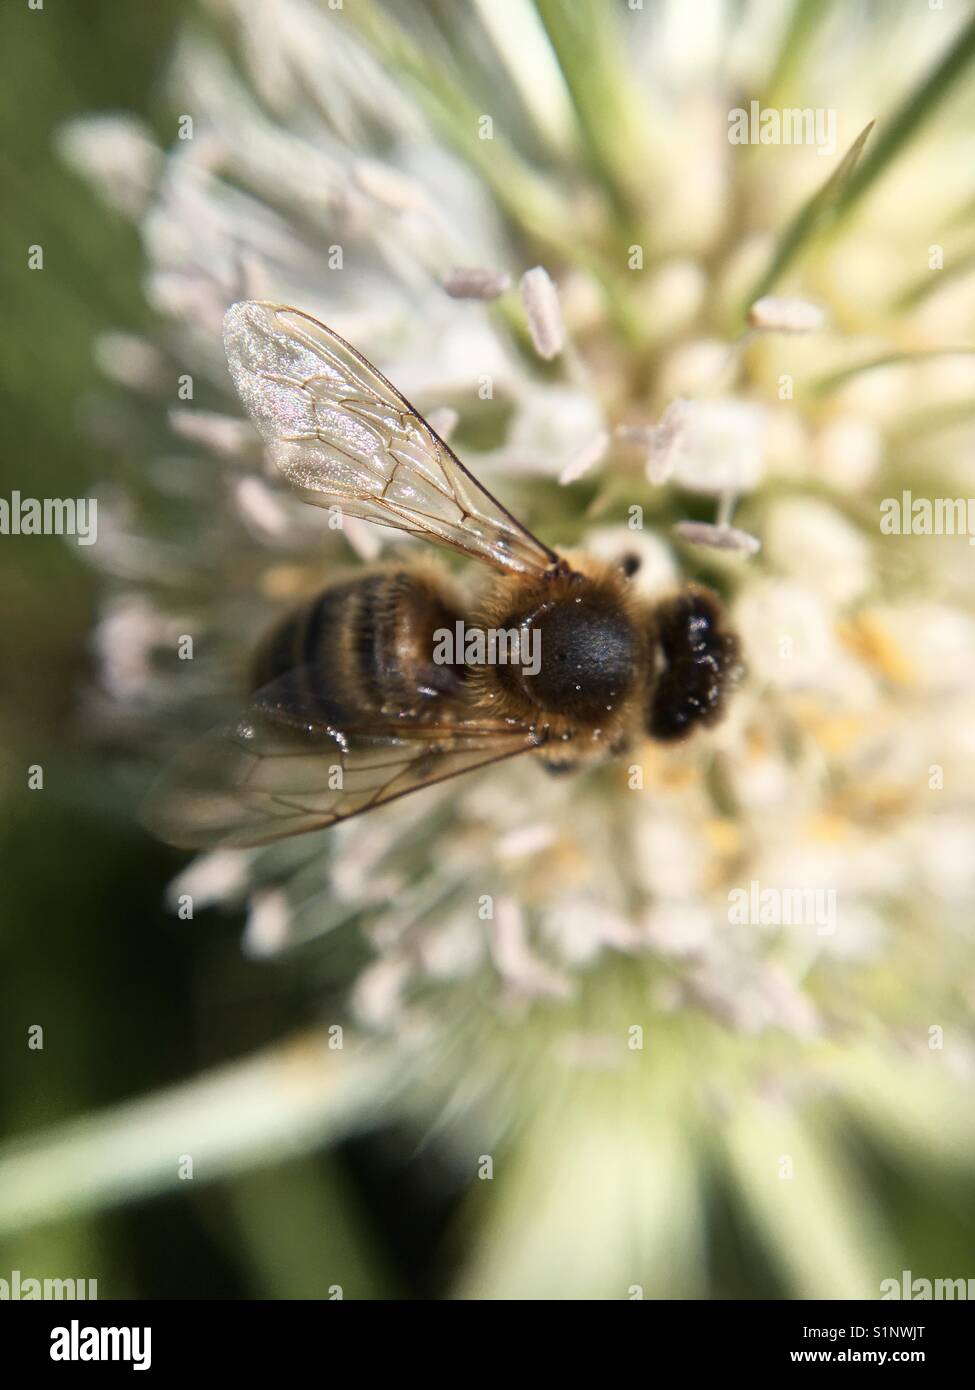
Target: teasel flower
{"x": 717, "y": 357}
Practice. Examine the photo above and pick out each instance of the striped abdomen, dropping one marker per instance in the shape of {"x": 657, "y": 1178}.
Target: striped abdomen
{"x": 363, "y": 645}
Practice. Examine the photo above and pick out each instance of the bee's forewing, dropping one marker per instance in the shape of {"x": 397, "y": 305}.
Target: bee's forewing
{"x": 287, "y": 766}
{"x": 344, "y": 436}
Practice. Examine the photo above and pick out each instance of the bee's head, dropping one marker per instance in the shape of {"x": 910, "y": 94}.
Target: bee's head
{"x": 700, "y": 662}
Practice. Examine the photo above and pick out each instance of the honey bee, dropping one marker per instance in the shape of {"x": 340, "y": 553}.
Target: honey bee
{"x": 350, "y": 708}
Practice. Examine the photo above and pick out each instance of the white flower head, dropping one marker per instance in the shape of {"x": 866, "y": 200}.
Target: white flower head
{"x": 719, "y": 448}
{"x": 492, "y": 941}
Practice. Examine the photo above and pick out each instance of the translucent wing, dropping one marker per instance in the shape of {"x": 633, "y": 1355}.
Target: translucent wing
{"x": 343, "y": 435}
{"x": 285, "y": 768}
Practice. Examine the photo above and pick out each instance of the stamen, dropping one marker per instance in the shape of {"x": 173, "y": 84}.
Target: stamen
{"x": 541, "y": 301}
{"x": 475, "y": 282}
{"x": 718, "y": 537}
{"x": 268, "y": 924}
{"x": 260, "y": 509}
{"x": 585, "y": 458}
{"x": 221, "y": 433}
{"x": 664, "y": 441}
{"x": 772, "y": 314}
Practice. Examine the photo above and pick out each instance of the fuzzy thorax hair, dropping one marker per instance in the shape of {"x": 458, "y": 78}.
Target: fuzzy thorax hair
{"x": 596, "y": 653}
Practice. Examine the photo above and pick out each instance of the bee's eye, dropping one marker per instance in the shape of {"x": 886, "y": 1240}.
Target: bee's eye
{"x": 630, "y": 563}
{"x": 700, "y": 661}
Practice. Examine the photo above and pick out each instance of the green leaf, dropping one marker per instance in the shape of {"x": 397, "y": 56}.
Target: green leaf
{"x": 592, "y": 1199}
{"x": 913, "y": 111}
{"x": 814, "y": 1216}
{"x": 591, "y": 53}
{"x": 805, "y": 23}
{"x": 848, "y": 183}
{"x": 825, "y": 384}
{"x": 534, "y": 202}
{"x": 949, "y": 415}
{"x": 286, "y": 1100}
{"x": 529, "y": 197}
{"x": 934, "y": 279}
{"x": 808, "y": 221}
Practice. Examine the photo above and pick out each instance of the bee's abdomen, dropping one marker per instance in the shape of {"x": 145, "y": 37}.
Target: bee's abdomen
{"x": 365, "y": 644}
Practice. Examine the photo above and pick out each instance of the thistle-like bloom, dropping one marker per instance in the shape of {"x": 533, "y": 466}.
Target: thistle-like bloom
{"x": 670, "y": 993}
